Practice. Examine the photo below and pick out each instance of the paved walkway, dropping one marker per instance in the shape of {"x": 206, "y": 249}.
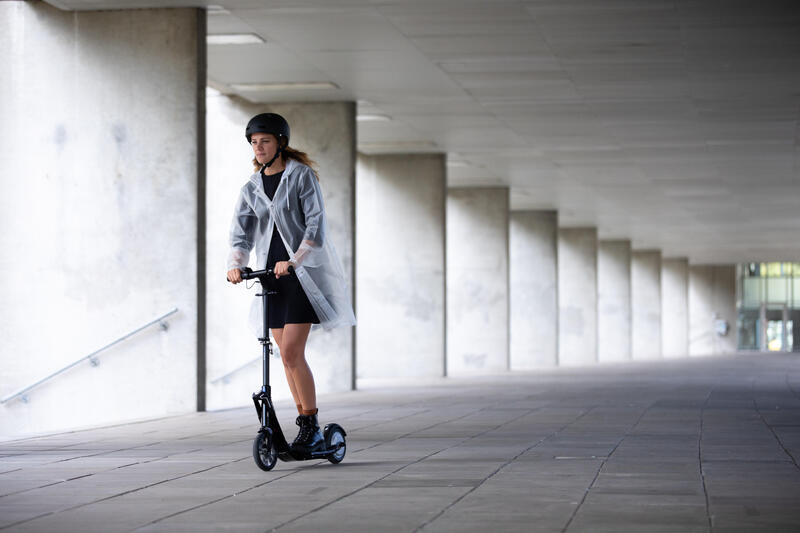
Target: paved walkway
{"x": 692, "y": 445}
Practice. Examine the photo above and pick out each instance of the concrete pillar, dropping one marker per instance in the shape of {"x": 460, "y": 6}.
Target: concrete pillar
{"x": 477, "y": 280}
{"x": 712, "y": 297}
{"x": 326, "y": 131}
{"x": 675, "y": 307}
{"x": 614, "y": 300}
{"x": 577, "y": 296}
{"x": 646, "y": 304}
{"x": 400, "y": 235}
{"x": 101, "y": 201}
{"x": 533, "y": 298}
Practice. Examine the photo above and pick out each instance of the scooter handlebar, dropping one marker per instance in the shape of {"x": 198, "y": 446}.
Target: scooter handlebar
{"x": 248, "y": 273}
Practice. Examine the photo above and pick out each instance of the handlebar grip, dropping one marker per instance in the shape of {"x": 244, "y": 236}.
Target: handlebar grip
{"x": 244, "y": 271}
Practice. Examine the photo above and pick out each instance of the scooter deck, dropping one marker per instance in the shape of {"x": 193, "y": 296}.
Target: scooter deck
{"x": 290, "y": 456}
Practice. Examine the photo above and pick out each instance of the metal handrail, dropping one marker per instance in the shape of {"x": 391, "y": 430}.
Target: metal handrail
{"x": 91, "y": 357}
{"x": 225, "y": 378}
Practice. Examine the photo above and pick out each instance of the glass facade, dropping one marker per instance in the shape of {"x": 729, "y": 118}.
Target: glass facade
{"x": 768, "y": 302}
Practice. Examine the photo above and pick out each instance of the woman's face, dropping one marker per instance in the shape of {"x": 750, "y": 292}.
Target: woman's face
{"x": 264, "y": 146}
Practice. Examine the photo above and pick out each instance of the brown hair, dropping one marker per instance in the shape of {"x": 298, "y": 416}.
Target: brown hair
{"x": 297, "y": 155}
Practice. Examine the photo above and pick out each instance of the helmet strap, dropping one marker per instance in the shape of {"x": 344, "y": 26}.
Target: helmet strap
{"x": 269, "y": 164}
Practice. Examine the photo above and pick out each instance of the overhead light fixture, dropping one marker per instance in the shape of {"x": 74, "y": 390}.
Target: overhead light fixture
{"x": 395, "y": 146}
{"x": 284, "y": 86}
{"x": 217, "y": 86}
{"x": 214, "y": 9}
{"x": 373, "y": 117}
{"x": 234, "y": 38}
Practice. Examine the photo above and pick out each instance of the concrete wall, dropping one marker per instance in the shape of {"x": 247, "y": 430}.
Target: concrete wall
{"x": 675, "y": 307}
{"x": 577, "y": 296}
{"x": 400, "y": 209}
{"x": 100, "y": 140}
{"x": 646, "y": 304}
{"x": 533, "y": 298}
{"x": 614, "y": 300}
{"x": 326, "y": 131}
{"x": 477, "y": 280}
{"x": 712, "y": 296}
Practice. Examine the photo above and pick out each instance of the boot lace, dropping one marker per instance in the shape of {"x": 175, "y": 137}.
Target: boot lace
{"x": 306, "y": 431}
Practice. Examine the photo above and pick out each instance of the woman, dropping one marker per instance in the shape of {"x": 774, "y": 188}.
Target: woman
{"x": 280, "y": 212}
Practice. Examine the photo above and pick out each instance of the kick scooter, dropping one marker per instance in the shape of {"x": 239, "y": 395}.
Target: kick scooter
{"x": 270, "y": 443}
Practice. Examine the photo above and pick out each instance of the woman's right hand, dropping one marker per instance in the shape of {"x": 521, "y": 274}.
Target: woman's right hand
{"x": 235, "y": 275}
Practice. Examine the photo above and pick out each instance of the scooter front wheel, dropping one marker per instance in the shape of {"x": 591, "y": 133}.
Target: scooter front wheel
{"x": 264, "y": 452}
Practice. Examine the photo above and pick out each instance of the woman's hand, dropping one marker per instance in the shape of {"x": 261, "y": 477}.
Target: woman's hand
{"x": 282, "y": 268}
{"x": 235, "y": 275}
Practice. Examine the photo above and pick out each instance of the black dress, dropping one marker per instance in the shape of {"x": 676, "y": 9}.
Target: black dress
{"x": 290, "y": 305}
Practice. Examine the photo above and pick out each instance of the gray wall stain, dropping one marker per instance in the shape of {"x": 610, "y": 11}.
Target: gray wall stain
{"x": 119, "y": 132}
{"x": 475, "y": 360}
{"x": 60, "y": 136}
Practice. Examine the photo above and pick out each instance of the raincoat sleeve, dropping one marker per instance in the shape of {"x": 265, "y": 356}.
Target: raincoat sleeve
{"x": 242, "y": 233}
{"x": 314, "y": 213}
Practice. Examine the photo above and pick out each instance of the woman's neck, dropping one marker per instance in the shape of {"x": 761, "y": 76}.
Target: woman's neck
{"x": 277, "y": 166}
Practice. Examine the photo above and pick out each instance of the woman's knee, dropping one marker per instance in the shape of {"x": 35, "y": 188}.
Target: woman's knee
{"x": 293, "y": 356}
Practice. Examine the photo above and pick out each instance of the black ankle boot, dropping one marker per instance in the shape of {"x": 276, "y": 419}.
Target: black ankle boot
{"x": 309, "y": 438}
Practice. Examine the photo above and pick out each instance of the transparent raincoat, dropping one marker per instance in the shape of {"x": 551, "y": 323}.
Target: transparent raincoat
{"x": 298, "y": 212}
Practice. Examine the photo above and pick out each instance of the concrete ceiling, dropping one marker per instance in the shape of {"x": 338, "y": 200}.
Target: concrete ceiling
{"x": 671, "y": 123}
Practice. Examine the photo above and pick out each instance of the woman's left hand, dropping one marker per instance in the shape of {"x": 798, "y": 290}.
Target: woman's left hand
{"x": 282, "y": 268}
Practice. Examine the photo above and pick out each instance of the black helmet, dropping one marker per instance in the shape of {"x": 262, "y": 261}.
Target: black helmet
{"x": 268, "y": 123}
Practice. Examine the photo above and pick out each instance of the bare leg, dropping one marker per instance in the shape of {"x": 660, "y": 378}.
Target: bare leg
{"x": 293, "y": 349}
{"x": 277, "y": 333}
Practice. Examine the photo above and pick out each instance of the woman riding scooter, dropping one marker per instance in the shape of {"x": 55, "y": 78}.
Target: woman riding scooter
{"x": 280, "y": 211}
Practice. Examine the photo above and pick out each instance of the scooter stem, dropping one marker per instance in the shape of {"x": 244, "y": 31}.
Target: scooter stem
{"x": 266, "y": 342}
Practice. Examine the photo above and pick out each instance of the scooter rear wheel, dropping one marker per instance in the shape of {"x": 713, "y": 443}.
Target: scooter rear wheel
{"x": 335, "y": 438}
{"x": 264, "y": 452}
